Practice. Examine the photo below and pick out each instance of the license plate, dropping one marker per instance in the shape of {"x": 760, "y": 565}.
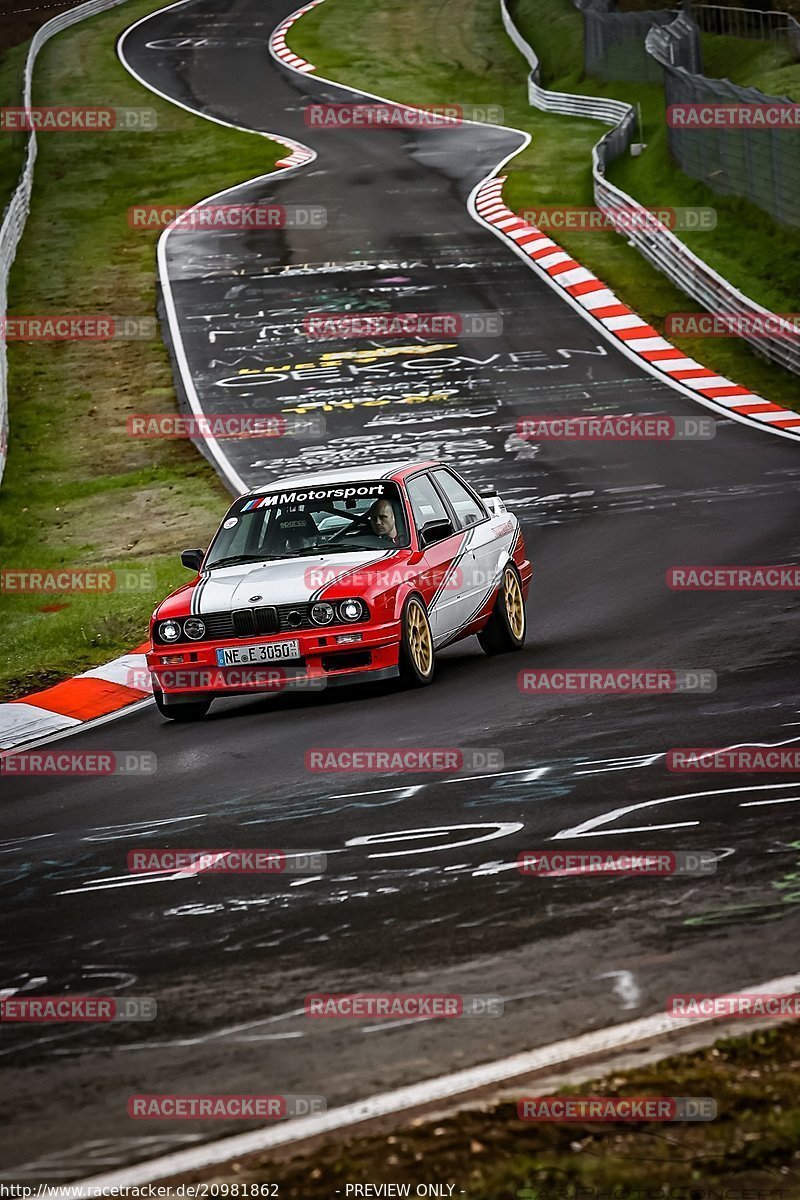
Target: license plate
{"x": 263, "y": 652}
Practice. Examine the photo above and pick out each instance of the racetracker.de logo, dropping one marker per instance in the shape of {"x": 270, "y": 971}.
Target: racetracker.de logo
{"x": 557, "y": 864}
{"x": 227, "y": 217}
{"x": 401, "y": 1005}
{"x": 590, "y": 219}
{"x": 217, "y": 1107}
{"x": 382, "y": 577}
{"x": 435, "y": 759}
{"x": 77, "y": 1009}
{"x": 627, "y": 428}
{"x": 733, "y": 116}
{"x": 619, "y": 681}
{"x": 222, "y": 425}
{"x": 65, "y": 118}
{"x": 59, "y": 327}
{"x": 568, "y": 1109}
{"x": 711, "y": 578}
{"x": 79, "y": 762}
{"x": 742, "y": 1004}
{"x": 258, "y": 861}
{"x": 58, "y": 580}
{"x": 401, "y": 324}
{"x": 708, "y": 759}
{"x": 398, "y": 116}
{"x": 231, "y": 425}
{"x": 262, "y": 679}
{"x": 768, "y": 325}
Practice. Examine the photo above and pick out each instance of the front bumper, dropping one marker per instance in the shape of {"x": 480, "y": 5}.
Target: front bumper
{"x": 323, "y": 663}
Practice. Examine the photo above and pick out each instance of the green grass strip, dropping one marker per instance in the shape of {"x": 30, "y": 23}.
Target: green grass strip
{"x": 78, "y": 492}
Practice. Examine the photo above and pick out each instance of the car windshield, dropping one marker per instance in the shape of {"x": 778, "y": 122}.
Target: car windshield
{"x": 304, "y": 521}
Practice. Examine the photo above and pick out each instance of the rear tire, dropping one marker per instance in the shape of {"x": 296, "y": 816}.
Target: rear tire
{"x": 193, "y": 710}
{"x": 417, "y": 657}
{"x": 505, "y": 630}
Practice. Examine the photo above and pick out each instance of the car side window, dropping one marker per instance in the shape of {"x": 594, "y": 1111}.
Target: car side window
{"x": 466, "y": 506}
{"x": 426, "y": 503}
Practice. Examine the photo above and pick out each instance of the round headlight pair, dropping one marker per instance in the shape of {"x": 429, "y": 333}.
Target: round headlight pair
{"x": 171, "y": 631}
{"x": 323, "y": 613}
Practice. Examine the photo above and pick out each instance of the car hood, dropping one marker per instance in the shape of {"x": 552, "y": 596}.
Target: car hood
{"x": 284, "y": 581}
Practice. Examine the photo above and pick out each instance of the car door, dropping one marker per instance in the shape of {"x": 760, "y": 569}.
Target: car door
{"x": 440, "y": 559}
{"x": 482, "y": 551}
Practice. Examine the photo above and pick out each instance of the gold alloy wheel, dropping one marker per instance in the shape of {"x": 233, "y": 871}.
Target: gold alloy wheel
{"x": 512, "y": 597}
{"x": 419, "y": 638}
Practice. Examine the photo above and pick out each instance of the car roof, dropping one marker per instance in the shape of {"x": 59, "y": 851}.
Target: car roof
{"x": 390, "y": 470}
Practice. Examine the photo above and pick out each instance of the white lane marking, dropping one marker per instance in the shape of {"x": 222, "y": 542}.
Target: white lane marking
{"x": 129, "y": 829}
{"x": 442, "y": 1087}
{"x": 625, "y": 988}
{"x": 529, "y": 775}
{"x": 215, "y": 1034}
{"x": 165, "y": 876}
{"x": 627, "y": 763}
{"x": 634, "y": 829}
{"x": 761, "y": 803}
{"x": 119, "y": 881}
{"x": 499, "y": 829}
{"x": 404, "y": 792}
{"x": 741, "y": 745}
{"x": 612, "y": 814}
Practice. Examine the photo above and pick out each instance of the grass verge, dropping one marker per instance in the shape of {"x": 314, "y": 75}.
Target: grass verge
{"x": 12, "y": 65}
{"x": 749, "y": 1152}
{"x": 457, "y": 51}
{"x": 78, "y": 492}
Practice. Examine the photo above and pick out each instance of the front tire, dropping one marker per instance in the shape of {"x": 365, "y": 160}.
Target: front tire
{"x": 505, "y": 630}
{"x": 417, "y": 657}
{"x": 194, "y": 710}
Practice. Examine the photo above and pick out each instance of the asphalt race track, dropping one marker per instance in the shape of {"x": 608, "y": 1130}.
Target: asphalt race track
{"x": 230, "y": 958}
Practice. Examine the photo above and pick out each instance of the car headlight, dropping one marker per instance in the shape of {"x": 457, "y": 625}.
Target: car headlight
{"x": 322, "y": 613}
{"x": 194, "y": 628}
{"x": 352, "y": 610}
{"x": 169, "y": 631}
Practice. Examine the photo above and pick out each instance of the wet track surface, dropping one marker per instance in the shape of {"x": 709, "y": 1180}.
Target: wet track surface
{"x": 230, "y": 958}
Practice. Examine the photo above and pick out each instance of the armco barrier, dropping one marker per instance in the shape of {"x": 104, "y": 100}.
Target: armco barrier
{"x": 657, "y": 244}
{"x": 613, "y": 42}
{"x": 762, "y": 165}
{"x": 17, "y": 212}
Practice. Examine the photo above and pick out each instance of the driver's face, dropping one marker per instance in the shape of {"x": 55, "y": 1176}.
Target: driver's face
{"x": 381, "y": 519}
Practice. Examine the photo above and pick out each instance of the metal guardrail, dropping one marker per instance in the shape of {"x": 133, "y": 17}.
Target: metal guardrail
{"x": 677, "y": 44}
{"x": 732, "y": 21}
{"x": 613, "y": 42}
{"x": 657, "y": 244}
{"x": 16, "y": 213}
{"x": 763, "y": 165}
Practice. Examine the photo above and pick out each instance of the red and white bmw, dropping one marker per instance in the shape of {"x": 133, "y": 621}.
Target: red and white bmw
{"x": 340, "y": 577}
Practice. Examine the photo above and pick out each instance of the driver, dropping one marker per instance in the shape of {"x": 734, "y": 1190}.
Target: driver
{"x": 382, "y": 521}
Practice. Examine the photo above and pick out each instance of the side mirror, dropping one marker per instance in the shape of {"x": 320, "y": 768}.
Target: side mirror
{"x": 192, "y": 559}
{"x": 493, "y": 502}
{"x": 435, "y": 531}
